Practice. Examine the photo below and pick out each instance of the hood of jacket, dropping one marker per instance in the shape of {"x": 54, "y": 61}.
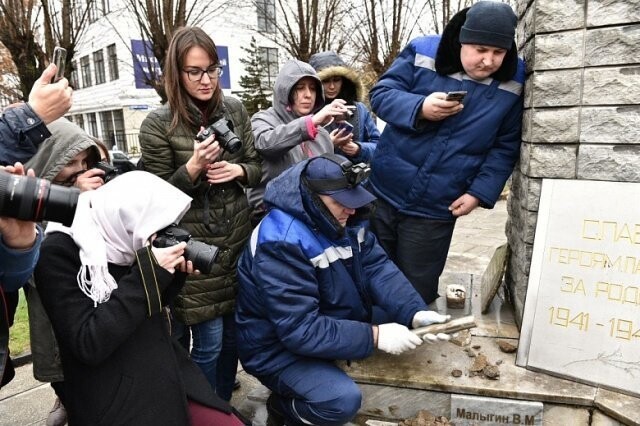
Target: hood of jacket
{"x": 448, "y": 55}
{"x": 329, "y": 64}
{"x": 290, "y": 73}
{"x": 66, "y": 141}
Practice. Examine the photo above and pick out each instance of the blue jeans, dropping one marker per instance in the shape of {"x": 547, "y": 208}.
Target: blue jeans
{"x": 214, "y": 351}
{"x": 315, "y": 391}
{"x": 417, "y": 245}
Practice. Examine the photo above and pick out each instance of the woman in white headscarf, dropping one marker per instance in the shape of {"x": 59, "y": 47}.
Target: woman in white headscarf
{"x": 104, "y": 288}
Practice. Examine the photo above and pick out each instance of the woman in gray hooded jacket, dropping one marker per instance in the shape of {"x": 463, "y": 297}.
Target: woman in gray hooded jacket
{"x": 292, "y": 129}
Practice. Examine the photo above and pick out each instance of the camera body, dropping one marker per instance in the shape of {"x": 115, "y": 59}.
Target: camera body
{"x": 228, "y": 140}
{"x": 34, "y": 199}
{"x": 202, "y": 255}
{"x": 110, "y": 172}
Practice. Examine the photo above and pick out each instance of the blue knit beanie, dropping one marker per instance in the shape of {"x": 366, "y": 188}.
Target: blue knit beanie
{"x": 489, "y": 23}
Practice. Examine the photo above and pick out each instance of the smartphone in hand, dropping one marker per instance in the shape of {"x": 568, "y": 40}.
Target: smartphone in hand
{"x": 345, "y": 125}
{"x": 456, "y": 95}
{"x": 59, "y": 58}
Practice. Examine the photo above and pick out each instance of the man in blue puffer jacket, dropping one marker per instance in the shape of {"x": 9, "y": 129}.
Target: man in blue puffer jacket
{"x": 436, "y": 159}
{"x": 313, "y": 284}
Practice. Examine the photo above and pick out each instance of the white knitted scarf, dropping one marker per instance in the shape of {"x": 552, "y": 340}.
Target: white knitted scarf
{"x": 114, "y": 221}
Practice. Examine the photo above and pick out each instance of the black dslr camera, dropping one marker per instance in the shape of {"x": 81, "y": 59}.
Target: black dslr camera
{"x": 225, "y": 137}
{"x": 33, "y": 199}
{"x": 202, "y": 255}
{"x": 110, "y": 172}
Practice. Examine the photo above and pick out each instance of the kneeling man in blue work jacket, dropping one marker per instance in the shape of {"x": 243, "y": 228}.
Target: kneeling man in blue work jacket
{"x": 314, "y": 283}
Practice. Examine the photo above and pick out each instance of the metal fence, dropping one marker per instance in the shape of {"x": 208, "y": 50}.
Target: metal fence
{"x": 127, "y": 142}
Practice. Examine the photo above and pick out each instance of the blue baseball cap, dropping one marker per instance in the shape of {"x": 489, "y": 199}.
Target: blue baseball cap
{"x": 337, "y": 177}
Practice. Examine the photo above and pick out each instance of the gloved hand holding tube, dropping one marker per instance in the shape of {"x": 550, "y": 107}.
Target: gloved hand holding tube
{"x": 425, "y": 318}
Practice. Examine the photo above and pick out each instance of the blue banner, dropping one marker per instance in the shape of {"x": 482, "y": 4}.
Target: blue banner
{"x": 223, "y": 58}
{"x": 144, "y": 63}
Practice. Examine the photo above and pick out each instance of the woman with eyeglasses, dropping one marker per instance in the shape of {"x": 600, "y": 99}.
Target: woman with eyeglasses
{"x": 215, "y": 176}
{"x": 341, "y": 82}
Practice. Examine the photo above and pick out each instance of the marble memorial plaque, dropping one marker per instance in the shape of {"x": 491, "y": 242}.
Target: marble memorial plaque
{"x": 582, "y": 312}
{"x": 481, "y": 411}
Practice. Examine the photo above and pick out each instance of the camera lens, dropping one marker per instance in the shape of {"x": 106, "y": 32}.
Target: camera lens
{"x": 202, "y": 255}
{"x": 232, "y": 145}
{"x": 32, "y": 199}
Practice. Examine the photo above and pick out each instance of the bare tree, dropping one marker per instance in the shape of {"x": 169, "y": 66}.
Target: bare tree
{"x": 9, "y": 81}
{"x": 17, "y": 33}
{"x": 62, "y": 24}
{"x": 303, "y": 27}
{"x": 383, "y": 27}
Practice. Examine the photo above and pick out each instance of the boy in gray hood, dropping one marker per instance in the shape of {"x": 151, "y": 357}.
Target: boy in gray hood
{"x": 292, "y": 129}
{"x": 65, "y": 158}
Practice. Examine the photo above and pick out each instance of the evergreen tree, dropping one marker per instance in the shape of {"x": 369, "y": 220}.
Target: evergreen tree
{"x": 254, "y": 96}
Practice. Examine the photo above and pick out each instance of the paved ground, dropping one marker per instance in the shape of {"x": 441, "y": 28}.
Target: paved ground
{"x": 26, "y": 401}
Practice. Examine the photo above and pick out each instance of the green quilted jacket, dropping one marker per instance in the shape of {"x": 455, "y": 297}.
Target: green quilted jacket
{"x": 206, "y": 296}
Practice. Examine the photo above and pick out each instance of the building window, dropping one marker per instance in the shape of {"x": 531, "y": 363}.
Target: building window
{"x": 78, "y": 12}
{"x": 74, "y": 76}
{"x": 106, "y": 7}
{"x": 118, "y": 128}
{"x": 92, "y": 124}
{"x": 85, "y": 68}
{"x": 266, "y": 10}
{"x": 79, "y": 120}
{"x": 98, "y": 63}
{"x": 108, "y": 135}
{"x": 113, "y": 62}
{"x": 269, "y": 58}
{"x": 92, "y": 11}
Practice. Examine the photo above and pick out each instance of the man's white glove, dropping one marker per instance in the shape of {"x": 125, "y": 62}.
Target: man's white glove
{"x": 395, "y": 338}
{"x": 424, "y": 318}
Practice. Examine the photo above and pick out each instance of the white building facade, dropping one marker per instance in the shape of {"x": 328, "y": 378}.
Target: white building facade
{"x": 111, "y": 100}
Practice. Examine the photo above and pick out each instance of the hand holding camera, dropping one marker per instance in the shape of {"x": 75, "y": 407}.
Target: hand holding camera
{"x": 171, "y": 257}
{"x": 204, "y": 153}
{"x": 90, "y": 179}
{"x": 202, "y": 256}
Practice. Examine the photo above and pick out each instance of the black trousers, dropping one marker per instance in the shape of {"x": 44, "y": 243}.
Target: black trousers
{"x": 418, "y": 246}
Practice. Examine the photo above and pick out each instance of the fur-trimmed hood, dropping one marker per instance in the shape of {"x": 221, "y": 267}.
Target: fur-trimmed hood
{"x": 329, "y": 64}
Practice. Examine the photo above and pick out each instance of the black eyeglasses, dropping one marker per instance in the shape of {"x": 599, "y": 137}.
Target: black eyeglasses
{"x": 195, "y": 74}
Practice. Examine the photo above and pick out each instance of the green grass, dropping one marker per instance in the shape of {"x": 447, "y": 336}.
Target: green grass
{"x": 19, "y": 333}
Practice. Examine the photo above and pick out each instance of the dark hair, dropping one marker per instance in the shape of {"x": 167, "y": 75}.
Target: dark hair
{"x": 182, "y": 41}
{"x": 448, "y": 55}
{"x": 102, "y": 148}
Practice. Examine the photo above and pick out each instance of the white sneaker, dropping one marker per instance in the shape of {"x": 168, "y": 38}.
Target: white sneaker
{"x": 57, "y": 415}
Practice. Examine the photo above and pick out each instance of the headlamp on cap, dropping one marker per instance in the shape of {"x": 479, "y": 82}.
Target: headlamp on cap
{"x": 352, "y": 176}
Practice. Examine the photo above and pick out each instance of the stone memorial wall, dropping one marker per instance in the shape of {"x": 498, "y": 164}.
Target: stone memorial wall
{"x": 582, "y": 109}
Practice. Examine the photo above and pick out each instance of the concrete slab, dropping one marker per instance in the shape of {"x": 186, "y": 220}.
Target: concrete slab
{"x": 429, "y": 367}
{"x": 600, "y": 419}
{"x": 623, "y": 408}
{"x": 562, "y": 415}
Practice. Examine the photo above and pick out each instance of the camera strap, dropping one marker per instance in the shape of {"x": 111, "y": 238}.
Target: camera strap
{"x": 146, "y": 261}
